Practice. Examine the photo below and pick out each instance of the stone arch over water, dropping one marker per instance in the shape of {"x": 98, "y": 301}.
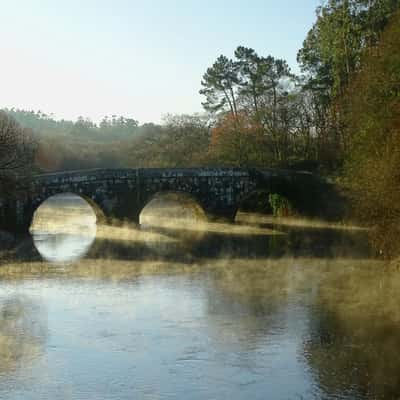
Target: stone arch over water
{"x": 172, "y": 204}
{"x": 62, "y": 199}
{"x": 64, "y": 226}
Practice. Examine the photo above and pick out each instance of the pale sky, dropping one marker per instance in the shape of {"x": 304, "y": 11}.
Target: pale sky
{"x": 140, "y": 59}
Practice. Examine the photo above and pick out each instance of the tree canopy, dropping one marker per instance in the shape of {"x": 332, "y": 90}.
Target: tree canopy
{"x": 17, "y": 150}
{"x": 372, "y": 105}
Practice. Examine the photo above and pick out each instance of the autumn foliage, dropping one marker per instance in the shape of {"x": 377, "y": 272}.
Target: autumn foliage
{"x": 237, "y": 140}
{"x": 373, "y": 132}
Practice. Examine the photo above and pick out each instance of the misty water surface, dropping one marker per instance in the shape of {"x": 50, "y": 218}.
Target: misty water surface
{"x": 263, "y": 309}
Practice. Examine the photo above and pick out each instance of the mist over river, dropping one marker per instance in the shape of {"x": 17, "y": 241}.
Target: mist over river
{"x": 183, "y": 309}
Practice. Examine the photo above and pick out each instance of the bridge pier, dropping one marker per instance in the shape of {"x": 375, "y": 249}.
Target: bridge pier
{"x": 15, "y": 217}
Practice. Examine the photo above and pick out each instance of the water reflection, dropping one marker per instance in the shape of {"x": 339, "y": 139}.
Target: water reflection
{"x": 291, "y": 327}
{"x": 355, "y": 333}
{"x": 23, "y": 332}
{"x": 268, "y": 309}
{"x": 246, "y": 309}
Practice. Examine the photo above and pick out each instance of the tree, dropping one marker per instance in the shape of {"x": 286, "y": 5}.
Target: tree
{"x": 251, "y": 69}
{"x": 220, "y": 86}
{"x": 372, "y": 105}
{"x": 238, "y": 141}
{"x": 83, "y": 127}
{"x": 17, "y": 147}
{"x": 184, "y": 140}
{"x": 333, "y": 47}
{"x": 17, "y": 150}
{"x": 181, "y": 141}
{"x": 256, "y": 92}
{"x": 118, "y": 126}
{"x": 331, "y": 55}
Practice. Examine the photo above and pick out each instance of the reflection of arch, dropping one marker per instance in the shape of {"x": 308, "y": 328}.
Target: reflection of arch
{"x": 185, "y": 200}
{"x": 98, "y": 212}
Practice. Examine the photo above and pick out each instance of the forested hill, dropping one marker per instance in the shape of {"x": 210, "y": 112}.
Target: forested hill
{"x": 67, "y": 145}
{"x": 116, "y": 142}
{"x": 109, "y": 129}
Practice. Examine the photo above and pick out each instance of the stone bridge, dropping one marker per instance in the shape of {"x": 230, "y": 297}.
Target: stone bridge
{"x": 123, "y": 193}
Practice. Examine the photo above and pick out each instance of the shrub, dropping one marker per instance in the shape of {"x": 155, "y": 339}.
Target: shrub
{"x": 281, "y": 206}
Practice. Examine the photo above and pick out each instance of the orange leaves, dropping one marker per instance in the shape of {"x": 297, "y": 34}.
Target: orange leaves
{"x": 237, "y": 140}
{"x": 48, "y": 157}
{"x": 231, "y": 125}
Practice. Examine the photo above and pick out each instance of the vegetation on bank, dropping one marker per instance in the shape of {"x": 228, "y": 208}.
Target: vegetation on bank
{"x": 372, "y": 117}
{"x": 17, "y": 153}
{"x": 339, "y": 118}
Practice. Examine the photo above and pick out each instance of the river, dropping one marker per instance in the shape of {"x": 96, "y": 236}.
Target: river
{"x": 182, "y": 309}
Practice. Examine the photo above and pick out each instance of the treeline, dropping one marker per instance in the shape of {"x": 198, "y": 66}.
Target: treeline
{"x": 342, "y": 115}
{"x": 110, "y": 128}
{"x": 352, "y": 60}
{"x": 116, "y": 142}
{"x": 17, "y": 153}
{"x": 257, "y": 112}
{"x": 269, "y": 116}
{"x": 371, "y": 115}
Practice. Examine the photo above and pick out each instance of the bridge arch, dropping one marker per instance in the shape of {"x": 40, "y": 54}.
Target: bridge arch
{"x": 255, "y": 201}
{"x": 63, "y": 196}
{"x": 172, "y": 204}
{"x": 258, "y": 201}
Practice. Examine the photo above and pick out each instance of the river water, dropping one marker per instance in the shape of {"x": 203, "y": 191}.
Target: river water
{"x": 180, "y": 309}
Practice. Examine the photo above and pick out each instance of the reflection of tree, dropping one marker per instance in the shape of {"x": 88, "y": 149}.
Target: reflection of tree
{"x": 23, "y": 333}
{"x": 245, "y": 303}
{"x": 355, "y": 336}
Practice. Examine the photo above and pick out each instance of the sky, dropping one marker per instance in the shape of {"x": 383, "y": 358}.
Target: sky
{"x": 140, "y": 59}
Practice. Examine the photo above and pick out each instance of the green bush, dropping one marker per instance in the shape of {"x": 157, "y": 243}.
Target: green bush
{"x": 281, "y": 206}
{"x": 257, "y": 202}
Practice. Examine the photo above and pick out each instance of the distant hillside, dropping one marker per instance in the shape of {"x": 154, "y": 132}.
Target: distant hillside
{"x": 116, "y": 142}
{"x": 109, "y": 129}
